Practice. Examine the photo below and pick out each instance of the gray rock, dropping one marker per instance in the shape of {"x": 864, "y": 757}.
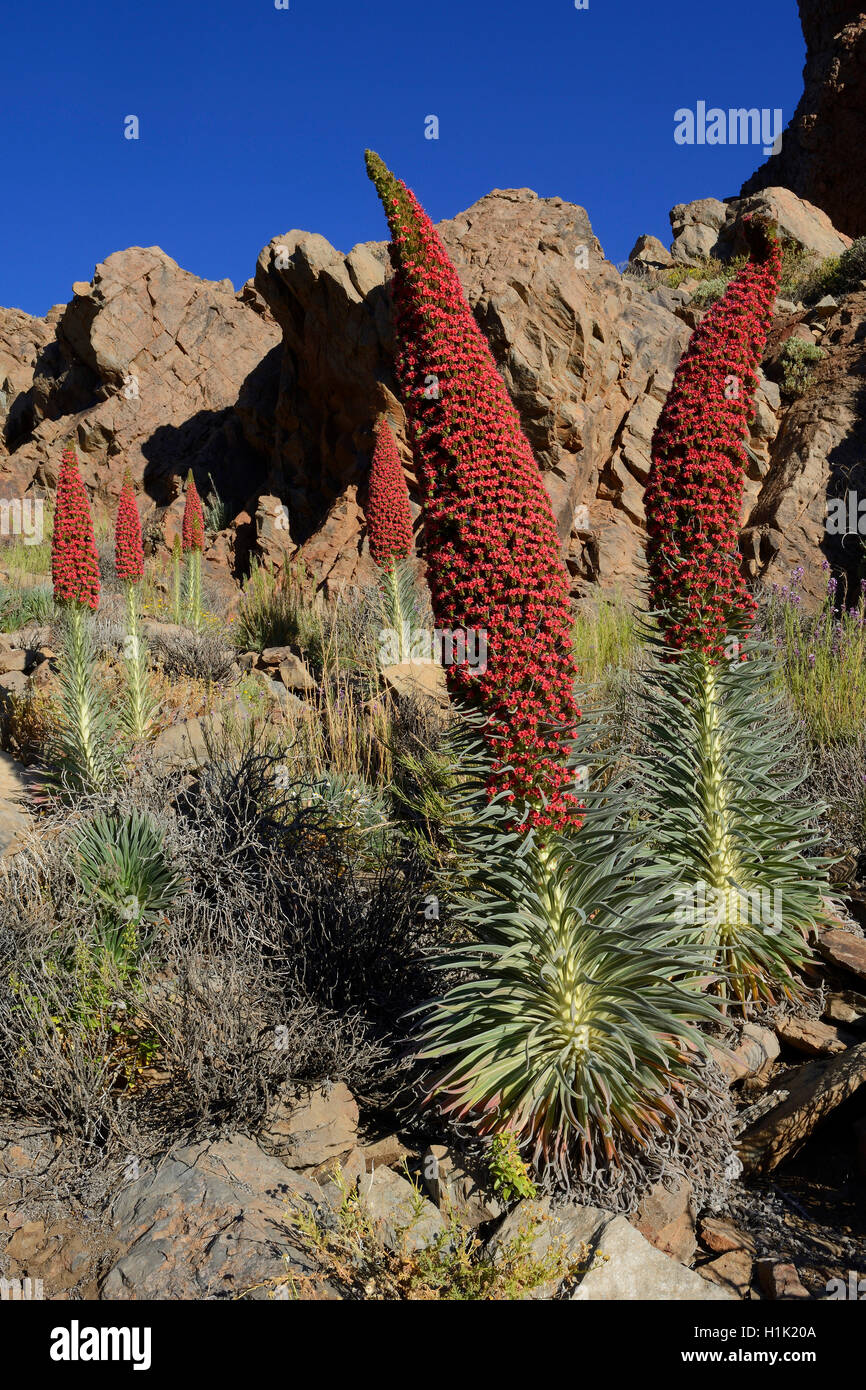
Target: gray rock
{"x": 824, "y": 309}
{"x": 708, "y": 227}
{"x": 17, "y": 785}
{"x": 455, "y": 1190}
{"x": 295, "y": 676}
{"x": 13, "y": 682}
{"x": 648, "y": 250}
{"x": 696, "y": 227}
{"x": 613, "y": 1259}
{"x": 631, "y": 1269}
{"x": 409, "y": 1220}
{"x": 185, "y": 744}
{"x": 211, "y": 1221}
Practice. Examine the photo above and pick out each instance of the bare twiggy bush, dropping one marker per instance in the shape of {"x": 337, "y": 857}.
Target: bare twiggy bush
{"x": 279, "y": 961}
{"x": 201, "y": 655}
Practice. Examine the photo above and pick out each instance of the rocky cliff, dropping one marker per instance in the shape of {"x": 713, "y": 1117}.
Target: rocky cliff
{"x": 272, "y": 393}
{"x": 823, "y": 154}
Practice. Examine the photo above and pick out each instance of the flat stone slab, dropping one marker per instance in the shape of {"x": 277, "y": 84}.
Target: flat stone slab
{"x": 630, "y": 1269}
{"x": 844, "y": 949}
{"x": 211, "y": 1221}
{"x": 806, "y": 1097}
{"x": 811, "y": 1036}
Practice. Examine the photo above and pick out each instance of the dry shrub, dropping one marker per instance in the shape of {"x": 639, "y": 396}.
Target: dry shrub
{"x": 27, "y": 724}
{"x": 280, "y": 961}
{"x": 203, "y": 656}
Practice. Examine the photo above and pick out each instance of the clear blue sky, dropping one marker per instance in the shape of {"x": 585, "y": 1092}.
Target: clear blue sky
{"x": 253, "y": 120}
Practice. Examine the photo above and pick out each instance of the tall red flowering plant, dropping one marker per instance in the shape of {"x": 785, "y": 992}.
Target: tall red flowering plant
{"x": 389, "y": 518}
{"x": 74, "y": 558}
{"x": 192, "y": 533}
{"x": 569, "y": 1022}
{"x": 129, "y": 564}
{"x": 192, "y": 527}
{"x": 128, "y": 549}
{"x": 694, "y": 493}
{"x": 389, "y": 530}
{"x": 494, "y": 563}
{"x": 733, "y": 837}
{"x": 83, "y": 728}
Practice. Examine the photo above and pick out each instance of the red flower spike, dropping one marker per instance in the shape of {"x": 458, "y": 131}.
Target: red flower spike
{"x": 694, "y": 493}
{"x": 389, "y": 518}
{"x": 74, "y": 558}
{"x": 128, "y": 550}
{"x": 493, "y": 554}
{"x": 192, "y": 530}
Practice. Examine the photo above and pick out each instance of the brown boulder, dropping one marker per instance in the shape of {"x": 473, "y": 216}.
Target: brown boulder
{"x": 844, "y": 949}
{"x": 147, "y": 367}
{"x": 779, "y": 1281}
{"x": 732, "y": 1272}
{"x": 810, "y": 1036}
{"x": 666, "y": 1217}
{"x": 723, "y": 1238}
{"x": 806, "y": 1096}
{"x": 312, "y": 1132}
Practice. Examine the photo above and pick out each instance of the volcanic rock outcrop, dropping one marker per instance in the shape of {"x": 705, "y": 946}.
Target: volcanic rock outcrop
{"x": 147, "y": 366}
{"x": 271, "y": 394}
{"x": 587, "y": 357}
{"x": 823, "y": 154}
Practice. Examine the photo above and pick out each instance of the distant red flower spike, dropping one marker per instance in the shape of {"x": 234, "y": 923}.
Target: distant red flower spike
{"x": 389, "y": 517}
{"x": 694, "y": 493}
{"x": 128, "y": 550}
{"x": 493, "y": 555}
{"x": 74, "y": 558}
{"x": 192, "y": 530}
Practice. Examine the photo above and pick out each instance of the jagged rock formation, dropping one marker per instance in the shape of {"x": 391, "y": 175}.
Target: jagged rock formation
{"x": 586, "y": 355}
{"x": 274, "y": 391}
{"x": 147, "y": 366}
{"x": 819, "y": 452}
{"x": 709, "y": 227}
{"x": 823, "y": 154}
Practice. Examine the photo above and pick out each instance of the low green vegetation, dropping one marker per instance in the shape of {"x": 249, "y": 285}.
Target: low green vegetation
{"x": 360, "y": 1257}
{"x": 798, "y": 358}
{"x": 274, "y": 611}
{"x": 821, "y": 665}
